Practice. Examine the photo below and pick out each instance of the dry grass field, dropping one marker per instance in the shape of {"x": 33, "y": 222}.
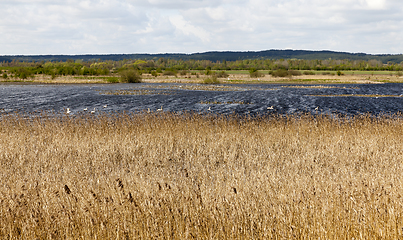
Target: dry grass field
{"x": 167, "y": 176}
{"x": 236, "y": 77}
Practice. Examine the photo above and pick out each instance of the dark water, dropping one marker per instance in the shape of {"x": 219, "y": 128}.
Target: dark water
{"x": 226, "y": 99}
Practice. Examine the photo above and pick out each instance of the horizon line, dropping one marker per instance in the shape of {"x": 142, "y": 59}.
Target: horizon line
{"x": 194, "y": 53}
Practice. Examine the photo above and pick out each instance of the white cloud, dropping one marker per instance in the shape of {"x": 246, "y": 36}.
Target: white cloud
{"x": 188, "y": 28}
{"x": 375, "y": 4}
{"x": 130, "y": 26}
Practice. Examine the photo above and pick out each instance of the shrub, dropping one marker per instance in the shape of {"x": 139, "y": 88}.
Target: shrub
{"x": 309, "y": 73}
{"x": 5, "y": 75}
{"x": 339, "y": 73}
{"x": 294, "y": 72}
{"x": 23, "y": 73}
{"x": 183, "y": 72}
{"x": 212, "y": 80}
{"x": 169, "y": 73}
{"x": 279, "y": 73}
{"x": 112, "y": 79}
{"x": 208, "y": 72}
{"x": 105, "y": 71}
{"x": 130, "y": 76}
{"x": 222, "y": 74}
{"x": 254, "y": 73}
{"x": 328, "y": 73}
{"x": 154, "y": 73}
{"x": 398, "y": 73}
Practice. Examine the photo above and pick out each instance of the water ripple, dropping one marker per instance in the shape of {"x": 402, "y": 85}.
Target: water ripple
{"x": 225, "y": 99}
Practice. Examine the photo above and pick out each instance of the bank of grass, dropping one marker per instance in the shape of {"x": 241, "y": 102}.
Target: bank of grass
{"x": 108, "y": 79}
{"x": 211, "y": 80}
{"x": 325, "y": 72}
{"x": 292, "y": 81}
{"x": 167, "y": 176}
{"x": 239, "y": 77}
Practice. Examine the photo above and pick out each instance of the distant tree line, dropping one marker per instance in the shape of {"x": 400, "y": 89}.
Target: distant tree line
{"x": 166, "y": 66}
{"x": 216, "y": 56}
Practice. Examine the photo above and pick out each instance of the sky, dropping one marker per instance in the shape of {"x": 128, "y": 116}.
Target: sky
{"x": 40, "y": 27}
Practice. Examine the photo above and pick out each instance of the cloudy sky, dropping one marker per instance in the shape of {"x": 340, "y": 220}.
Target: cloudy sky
{"x": 189, "y": 26}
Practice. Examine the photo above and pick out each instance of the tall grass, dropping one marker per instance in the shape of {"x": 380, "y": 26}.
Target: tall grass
{"x": 164, "y": 176}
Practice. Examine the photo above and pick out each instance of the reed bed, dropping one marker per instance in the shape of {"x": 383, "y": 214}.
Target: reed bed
{"x": 168, "y": 176}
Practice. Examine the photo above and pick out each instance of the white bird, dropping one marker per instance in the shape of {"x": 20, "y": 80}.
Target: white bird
{"x": 68, "y": 111}
{"x": 159, "y": 109}
{"x": 317, "y": 108}
{"x": 93, "y": 111}
{"x": 148, "y": 111}
{"x": 105, "y": 106}
{"x": 270, "y": 108}
{"x": 209, "y": 109}
{"x": 85, "y": 109}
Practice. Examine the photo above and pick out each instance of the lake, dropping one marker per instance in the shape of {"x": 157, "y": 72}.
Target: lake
{"x": 223, "y": 99}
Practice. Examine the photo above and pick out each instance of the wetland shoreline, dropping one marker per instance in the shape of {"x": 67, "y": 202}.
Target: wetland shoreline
{"x": 231, "y": 79}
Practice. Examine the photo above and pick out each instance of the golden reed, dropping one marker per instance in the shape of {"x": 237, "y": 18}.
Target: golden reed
{"x": 168, "y": 176}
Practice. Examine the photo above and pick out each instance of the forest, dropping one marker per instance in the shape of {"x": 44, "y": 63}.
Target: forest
{"x": 26, "y": 69}
{"x": 273, "y": 54}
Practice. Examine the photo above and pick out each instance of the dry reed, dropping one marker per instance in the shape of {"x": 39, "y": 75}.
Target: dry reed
{"x": 167, "y": 176}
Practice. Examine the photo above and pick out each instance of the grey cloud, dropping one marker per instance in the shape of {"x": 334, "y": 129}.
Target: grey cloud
{"x": 126, "y": 26}
{"x": 183, "y": 4}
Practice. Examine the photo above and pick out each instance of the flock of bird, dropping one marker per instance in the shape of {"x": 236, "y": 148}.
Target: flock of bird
{"x": 160, "y": 109}
{"x": 85, "y": 109}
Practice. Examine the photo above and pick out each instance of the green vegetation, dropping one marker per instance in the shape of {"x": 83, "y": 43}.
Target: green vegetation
{"x": 309, "y": 73}
{"x": 254, "y": 73}
{"x": 340, "y": 73}
{"x": 211, "y": 80}
{"x": 112, "y": 79}
{"x": 130, "y": 76}
{"x": 279, "y": 73}
{"x": 16, "y": 70}
{"x": 217, "y": 56}
{"x": 169, "y": 72}
{"x": 183, "y": 72}
{"x": 221, "y": 74}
